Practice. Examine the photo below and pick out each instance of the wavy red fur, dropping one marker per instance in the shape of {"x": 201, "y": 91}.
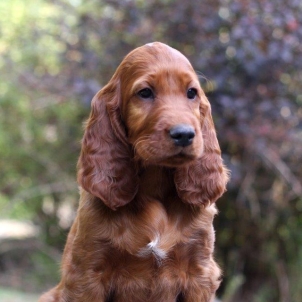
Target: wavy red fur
{"x": 143, "y": 231}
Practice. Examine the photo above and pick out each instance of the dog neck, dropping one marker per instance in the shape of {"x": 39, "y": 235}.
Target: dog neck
{"x": 157, "y": 183}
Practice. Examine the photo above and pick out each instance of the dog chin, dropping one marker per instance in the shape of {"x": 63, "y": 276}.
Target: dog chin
{"x": 176, "y": 160}
{"x": 172, "y": 158}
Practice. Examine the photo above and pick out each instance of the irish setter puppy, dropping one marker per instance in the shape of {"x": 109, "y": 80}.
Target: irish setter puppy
{"x": 150, "y": 171}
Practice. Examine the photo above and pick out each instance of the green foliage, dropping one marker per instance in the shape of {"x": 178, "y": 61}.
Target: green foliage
{"x": 40, "y": 128}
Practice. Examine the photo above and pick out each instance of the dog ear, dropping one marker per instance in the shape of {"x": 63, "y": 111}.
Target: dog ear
{"x": 105, "y": 167}
{"x": 204, "y": 180}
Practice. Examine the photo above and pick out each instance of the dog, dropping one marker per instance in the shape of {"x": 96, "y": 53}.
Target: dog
{"x": 150, "y": 171}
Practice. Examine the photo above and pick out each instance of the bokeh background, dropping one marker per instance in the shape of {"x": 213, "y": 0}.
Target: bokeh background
{"x": 55, "y": 55}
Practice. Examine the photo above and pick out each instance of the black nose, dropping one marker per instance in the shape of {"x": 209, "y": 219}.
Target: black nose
{"x": 182, "y": 135}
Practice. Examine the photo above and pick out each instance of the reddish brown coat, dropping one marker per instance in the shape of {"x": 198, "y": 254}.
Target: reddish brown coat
{"x": 143, "y": 231}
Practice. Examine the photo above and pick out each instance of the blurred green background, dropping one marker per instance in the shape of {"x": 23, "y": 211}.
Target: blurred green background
{"x": 55, "y": 55}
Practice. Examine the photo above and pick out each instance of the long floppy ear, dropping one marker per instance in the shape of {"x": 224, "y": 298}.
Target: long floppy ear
{"x": 105, "y": 168}
{"x": 203, "y": 181}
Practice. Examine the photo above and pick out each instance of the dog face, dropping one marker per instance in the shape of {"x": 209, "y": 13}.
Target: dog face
{"x": 162, "y": 104}
{"x": 152, "y": 112}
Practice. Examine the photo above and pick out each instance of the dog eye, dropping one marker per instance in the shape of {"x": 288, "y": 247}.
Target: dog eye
{"x": 146, "y": 93}
{"x": 191, "y": 93}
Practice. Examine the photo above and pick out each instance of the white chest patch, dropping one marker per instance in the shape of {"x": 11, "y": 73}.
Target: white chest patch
{"x": 153, "y": 248}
